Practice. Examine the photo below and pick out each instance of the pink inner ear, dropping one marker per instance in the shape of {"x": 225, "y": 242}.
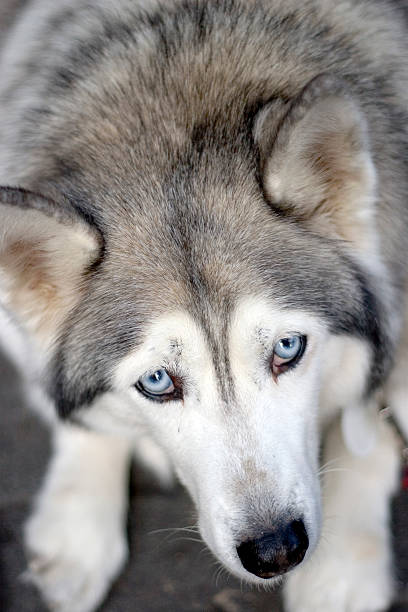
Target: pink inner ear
{"x": 318, "y": 164}
{"x": 42, "y": 258}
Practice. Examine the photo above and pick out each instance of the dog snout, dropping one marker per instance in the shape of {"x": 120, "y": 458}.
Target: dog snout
{"x": 275, "y": 552}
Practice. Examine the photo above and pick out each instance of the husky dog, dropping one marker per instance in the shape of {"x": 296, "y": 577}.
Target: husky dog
{"x": 204, "y": 235}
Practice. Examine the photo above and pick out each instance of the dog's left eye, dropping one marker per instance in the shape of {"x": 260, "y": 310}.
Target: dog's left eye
{"x": 287, "y": 353}
{"x": 158, "y": 385}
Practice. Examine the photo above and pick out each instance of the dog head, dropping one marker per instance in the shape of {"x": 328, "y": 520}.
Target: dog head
{"x": 214, "y": 306}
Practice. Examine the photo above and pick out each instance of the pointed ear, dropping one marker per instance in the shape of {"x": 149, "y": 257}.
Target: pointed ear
{"x": 316, "y": 164}
{"x": 45, "y": 252}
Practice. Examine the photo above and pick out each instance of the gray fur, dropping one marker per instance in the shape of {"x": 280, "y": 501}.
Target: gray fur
{"x": 143, "y": 120}
{"x": 177, "y": 158}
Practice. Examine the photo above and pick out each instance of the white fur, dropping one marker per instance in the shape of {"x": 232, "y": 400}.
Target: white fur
{"x": 396, "y": 392}
{"x": 76, "y": 536}
{"x": 12, "y": 340}
{"x": 19, "y": 350}
{"x": 351, "y": 571}
{"x": 261, "y": 449}
{"x": 227, "y": 450}
{"x": 345, "y": 363}
{"x": 345, "y": 366}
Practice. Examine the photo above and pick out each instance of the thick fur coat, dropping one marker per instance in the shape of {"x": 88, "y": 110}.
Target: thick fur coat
{"x": 193, "y": 190}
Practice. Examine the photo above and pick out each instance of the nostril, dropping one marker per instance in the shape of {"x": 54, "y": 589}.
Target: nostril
{"x": 275, "y": 552}
{"x": 297, "y": 542}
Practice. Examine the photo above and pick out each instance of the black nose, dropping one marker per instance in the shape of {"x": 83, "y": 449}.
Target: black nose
{"x": 275, "y": 552}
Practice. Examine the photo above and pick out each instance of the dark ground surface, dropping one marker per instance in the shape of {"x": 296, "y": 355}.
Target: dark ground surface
{"x": 165, "y": 572}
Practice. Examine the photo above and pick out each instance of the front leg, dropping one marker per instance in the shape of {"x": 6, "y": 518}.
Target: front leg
{"x": 351, "y": 570}
{"x": 75, "y": 537}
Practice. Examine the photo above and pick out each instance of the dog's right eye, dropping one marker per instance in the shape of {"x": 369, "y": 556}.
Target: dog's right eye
{"x": 287, "y": 352}
{"x": 159, "y": 386}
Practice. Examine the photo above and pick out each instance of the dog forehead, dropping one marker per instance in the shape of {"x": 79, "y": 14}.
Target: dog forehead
{"x": 262, "y": 314}
{"x": 193, "y": 343}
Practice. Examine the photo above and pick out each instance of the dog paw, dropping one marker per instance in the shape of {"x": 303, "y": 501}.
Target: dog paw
{"x": 358, "y": 582}
{"x": 75, "y": 550}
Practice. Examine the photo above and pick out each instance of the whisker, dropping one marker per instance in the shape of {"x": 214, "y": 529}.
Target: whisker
{"x": 205, "y": 549}
{"x": 330, "y": 462}
{"x": 329, "y": 470}
{"x": 186, "y": 539}
{"x": 191, "y": 528}
{"x": 220, "y": 571}
{"x": 170, "y": 534}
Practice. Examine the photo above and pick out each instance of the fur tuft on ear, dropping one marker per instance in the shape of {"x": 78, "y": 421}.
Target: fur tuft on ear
{"x": 45, "y": 251}
{"x": 316, "y": 163}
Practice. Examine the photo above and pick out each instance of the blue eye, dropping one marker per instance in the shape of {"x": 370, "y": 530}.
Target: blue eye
{"x": 287, "y": 353}
{"x": 158, "y": 385}
{"x": 288, "y": 348}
